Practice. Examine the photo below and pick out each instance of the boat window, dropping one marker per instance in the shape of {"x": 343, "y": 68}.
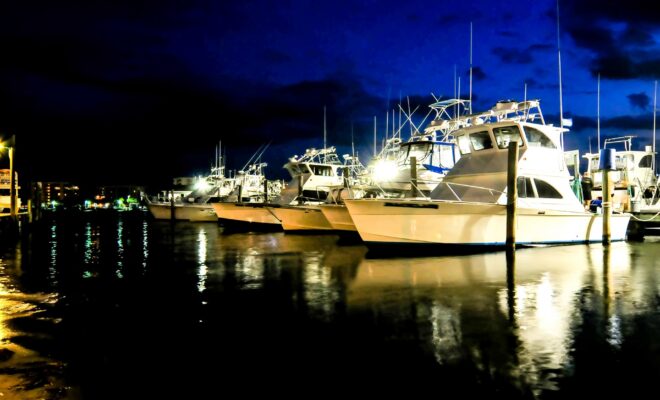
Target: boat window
{"x": 321, "y": 170}
{"x": 546, "y": 191}
{"x": 443, "y": 155}
{"x": 525, "y": 187}
{"x": 464, "y": 144}
{"x": 536, "y": 138}
{"x": 419, "y": 150}
{"x": 594, "y": 164}
{"x": 506, "y": 134}
{"x": 645, "y": 162}
{"x": 624, "y": 162}
{"x": 481, "y": 141}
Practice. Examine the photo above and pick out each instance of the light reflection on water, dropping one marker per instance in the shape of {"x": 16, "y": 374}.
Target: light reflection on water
{"x": 522, "y": 326}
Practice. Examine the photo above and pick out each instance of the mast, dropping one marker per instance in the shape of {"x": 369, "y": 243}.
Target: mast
{"x": 324, "y": 135}
{"x": 374, "y": 136}
{"x": 561, "y": 104}
{"x": 525, "y": 102}
{"x": 598, "y": 116}
{"x": 470, "y": 67}
{"x": 455, "y": 109}
{"x": 409, "y": 116}
{"x": 352, "y": 143}
{"x": 655, "y": 102}
{"x": 387, "y": 125}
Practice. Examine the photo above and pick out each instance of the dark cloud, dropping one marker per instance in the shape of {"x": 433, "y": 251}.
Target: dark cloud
{"x": 508, "y": 34}
{"x": 633, "y": 35}
{"x": 639, "y": 100}
{"x": 414, "y": 18}
{"x": 513, "y": 56}
{"x": 623, "y": 124}
{"x": 621, "y": 37}
{"x": 446, "y": 20}
{"x": 518, "y": 56}
{"x": 278, "y": 57}
{"x": 478, "y": 74}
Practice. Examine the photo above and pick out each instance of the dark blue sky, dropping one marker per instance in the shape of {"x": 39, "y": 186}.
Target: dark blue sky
{"x": 140, "y": 91}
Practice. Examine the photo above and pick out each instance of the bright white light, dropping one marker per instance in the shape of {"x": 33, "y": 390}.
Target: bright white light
{"x": 384, "y": 170}
{"x": 202, "y": 185}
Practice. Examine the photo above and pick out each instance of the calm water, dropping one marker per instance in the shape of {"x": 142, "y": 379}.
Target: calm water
{"x": 109, "y": 306}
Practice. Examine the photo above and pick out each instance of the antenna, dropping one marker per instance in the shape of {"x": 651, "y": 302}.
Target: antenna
{"x": 470, "y": 67}
{"x": 411, "y": 127}
{"x": 455, "y": 110}
{"x": 387, "y": 125}
{"x": 655, "y": 102}
{"x": 400, "y": 113}
{"x": 324, "y": 135}
{"x": 561, "y": 105}
{"x": 525, "y": 102}
{"x": 374, "y": 136}
{"x": 598, "y": 115}
{"x": 352, "y": 142}
{"x": 393, "y": 132}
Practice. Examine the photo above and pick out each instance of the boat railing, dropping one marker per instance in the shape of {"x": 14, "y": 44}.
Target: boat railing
{"x": 496, "y": 194}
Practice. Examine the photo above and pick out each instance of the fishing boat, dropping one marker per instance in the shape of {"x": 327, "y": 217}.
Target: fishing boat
{"x": 633, "y": 178}
{"x": 390, "y": 173}
{"x": 313, "y": 176}
{"x": 469, "y": 207}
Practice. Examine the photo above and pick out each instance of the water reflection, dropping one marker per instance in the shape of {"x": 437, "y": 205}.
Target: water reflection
{"x": 546, "y": 298}
{"x": 145, "y": 245}
{"x": 544, "y": 322}
{"x": 202, "y": 269}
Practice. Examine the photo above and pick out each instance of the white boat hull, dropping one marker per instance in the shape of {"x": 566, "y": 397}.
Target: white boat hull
{"x": 188, "y": 212}
{"x": 477, "y": 224}
{"x": 301, "y": 218}
{"x": 249, "y": 213}
{"x": 338, "y": 217}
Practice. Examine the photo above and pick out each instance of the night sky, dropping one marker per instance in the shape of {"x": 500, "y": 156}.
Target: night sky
{"x": 141, "y": 91}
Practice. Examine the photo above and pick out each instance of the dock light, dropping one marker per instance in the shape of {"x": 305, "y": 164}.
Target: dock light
{"x": 384, "y": 170}
{"x": 202, "y": 185}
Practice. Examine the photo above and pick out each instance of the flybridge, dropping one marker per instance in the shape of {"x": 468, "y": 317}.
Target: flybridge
{"x": 451, "y": 114}
{"x": 325, "y": 156}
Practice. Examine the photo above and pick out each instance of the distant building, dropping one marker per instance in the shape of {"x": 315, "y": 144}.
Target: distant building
{"x": 117, "y": 196}
{"x": 5, "y": 185}
{"x": 58, "y": 192}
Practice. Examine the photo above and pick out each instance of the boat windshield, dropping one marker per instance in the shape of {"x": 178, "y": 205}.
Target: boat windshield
{"x": 321, "y": 170}
{"x": 418, "y": 150}
{"x": 506, "y": 134}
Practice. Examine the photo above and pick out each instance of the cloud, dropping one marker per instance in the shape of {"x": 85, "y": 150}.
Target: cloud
{"x": 518, "y": 56}
{"x": 512, "y": 56}
{"x": 621, "y": 38}
{"x": 478, "y": 74}
{"x": 276, "y": 57}
{"x": 508, "y": 34}
{"x": 639, "y": 100}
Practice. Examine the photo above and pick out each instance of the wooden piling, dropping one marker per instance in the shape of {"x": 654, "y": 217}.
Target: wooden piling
{"x": 607, "y": 207}
{"x": 172, "y": 211}
{"x": 265, "y": 190}
{"x": 413, "y": 177}
{"x": 511, "y": 195}
{"x": 346, "y": 176}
